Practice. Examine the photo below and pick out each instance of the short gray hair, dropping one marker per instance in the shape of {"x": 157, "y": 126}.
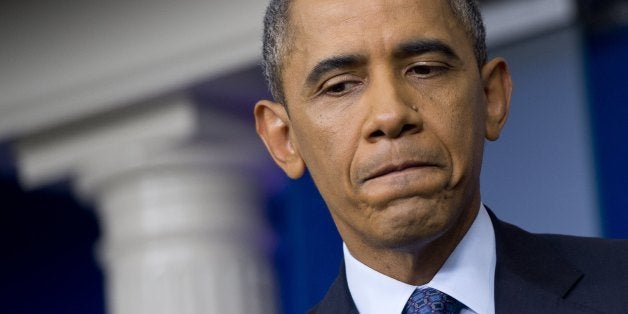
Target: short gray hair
{"x": 277, "y": 41}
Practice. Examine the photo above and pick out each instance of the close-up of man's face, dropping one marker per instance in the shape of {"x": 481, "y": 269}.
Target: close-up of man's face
{"x": 388, "y": 110}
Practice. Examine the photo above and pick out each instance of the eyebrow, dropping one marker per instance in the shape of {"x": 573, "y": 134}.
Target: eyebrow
{"x": 423, "y": 46}
{"x": 404, "y": 50}
{"x": 333, "y": 63}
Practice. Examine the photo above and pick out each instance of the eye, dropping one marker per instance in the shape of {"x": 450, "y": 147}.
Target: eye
{"x": 427, "y": 70}
{"x": 339, "y": 89}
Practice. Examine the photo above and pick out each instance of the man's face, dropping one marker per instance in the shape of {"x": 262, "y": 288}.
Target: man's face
{"x": 388, "y": 111}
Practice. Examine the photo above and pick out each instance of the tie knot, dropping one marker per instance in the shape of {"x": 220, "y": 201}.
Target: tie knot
{"x": 431, "y": 301}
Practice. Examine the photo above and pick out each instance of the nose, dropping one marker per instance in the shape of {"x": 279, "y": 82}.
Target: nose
{"x": 392, "y": 111}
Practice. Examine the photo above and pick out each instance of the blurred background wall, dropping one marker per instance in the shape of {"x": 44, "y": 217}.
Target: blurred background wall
{"x": 108, "y": 131}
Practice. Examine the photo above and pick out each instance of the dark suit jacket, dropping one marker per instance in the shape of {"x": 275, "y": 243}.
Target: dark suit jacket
{"x": 539, "y": 273}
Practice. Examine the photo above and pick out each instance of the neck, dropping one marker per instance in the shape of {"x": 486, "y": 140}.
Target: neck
{"x": 418, "y": 264}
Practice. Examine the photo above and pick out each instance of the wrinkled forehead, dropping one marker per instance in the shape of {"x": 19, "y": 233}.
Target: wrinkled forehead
{"x": 320, "y": 28}
{"x": 313, "y": 22}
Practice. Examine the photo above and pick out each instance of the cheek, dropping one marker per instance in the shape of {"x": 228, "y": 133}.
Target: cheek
{"x": 459, "y": 125}
{"x": 327, "y": 146}
{"x": 329, "y": 164}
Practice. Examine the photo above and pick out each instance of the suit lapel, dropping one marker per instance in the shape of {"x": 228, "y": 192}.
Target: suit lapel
{"x": 530, "y": 276}
{"x": 338, "y": 298}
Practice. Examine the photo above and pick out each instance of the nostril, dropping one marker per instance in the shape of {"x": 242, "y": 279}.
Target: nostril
{"x": 408, "y": 128}
{"x": 378, "y": 133}
{"x": 405, "y": 129}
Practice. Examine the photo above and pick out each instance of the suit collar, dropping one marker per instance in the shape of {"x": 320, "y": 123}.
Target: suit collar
{"x": 467, "y": 275}
{"x": 533, "y": 259}
{"x": 530, "y": 274}
{"x": 338, "y": 298}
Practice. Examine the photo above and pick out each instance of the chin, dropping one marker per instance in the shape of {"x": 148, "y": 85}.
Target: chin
{"x": 414, "y": 231}
{"x": 407, "y": 241}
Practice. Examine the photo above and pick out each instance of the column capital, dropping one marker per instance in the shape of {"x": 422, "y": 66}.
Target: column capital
{"x": 166, "y": 132}
{"x": 176, "y": 192}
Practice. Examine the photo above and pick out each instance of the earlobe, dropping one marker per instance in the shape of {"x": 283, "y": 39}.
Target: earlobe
{"x": 273, "y": 126}
{"x": 498, "y": 90}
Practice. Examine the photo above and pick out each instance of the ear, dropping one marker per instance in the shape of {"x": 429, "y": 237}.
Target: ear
{"x": 498, "y": 90}
{"x": 273, "y": 126}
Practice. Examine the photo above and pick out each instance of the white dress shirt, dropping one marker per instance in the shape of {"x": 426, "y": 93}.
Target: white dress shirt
{"x": 467, "y": 275}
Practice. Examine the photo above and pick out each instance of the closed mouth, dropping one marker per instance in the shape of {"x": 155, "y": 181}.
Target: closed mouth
{"x": 389, "y": 169}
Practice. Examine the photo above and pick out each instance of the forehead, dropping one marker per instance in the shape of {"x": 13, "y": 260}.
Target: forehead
{"x": 347, "y": 21}
{"x": 334, "y": 25}
{"x": 347, "y": 10}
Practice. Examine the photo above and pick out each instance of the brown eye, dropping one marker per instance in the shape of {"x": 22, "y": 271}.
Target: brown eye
{"x": 339, "y": 89}
{"x": 427, "y": 71}
{"x": 422, "y": 70}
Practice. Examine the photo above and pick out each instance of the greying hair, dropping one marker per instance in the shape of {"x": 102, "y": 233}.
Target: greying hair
{"x": 277, "y": 41}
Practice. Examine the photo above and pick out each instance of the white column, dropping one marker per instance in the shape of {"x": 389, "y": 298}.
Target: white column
{"x": 179, "y": 207}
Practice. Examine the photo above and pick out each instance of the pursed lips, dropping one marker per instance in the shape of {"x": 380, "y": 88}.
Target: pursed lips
{"x": 394, "y": 168}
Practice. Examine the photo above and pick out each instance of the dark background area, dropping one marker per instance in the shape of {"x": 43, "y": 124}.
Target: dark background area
{"x": 47, "y": 242}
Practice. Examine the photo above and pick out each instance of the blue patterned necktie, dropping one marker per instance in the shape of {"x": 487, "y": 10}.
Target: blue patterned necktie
{"x": 431, "y": 301}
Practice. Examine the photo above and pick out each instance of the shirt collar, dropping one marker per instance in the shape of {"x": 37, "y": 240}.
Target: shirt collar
{"x": 467, "y": 275}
